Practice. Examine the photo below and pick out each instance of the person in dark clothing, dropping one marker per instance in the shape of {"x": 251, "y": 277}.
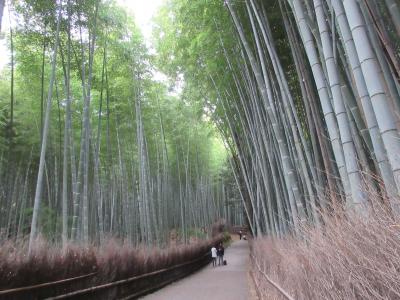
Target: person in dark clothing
{"x": 240, "y": 234}
{"x": 220, "y": 254}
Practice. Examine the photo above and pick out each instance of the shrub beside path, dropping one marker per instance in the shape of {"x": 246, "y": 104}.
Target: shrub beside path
{"x": 213, "y": 283}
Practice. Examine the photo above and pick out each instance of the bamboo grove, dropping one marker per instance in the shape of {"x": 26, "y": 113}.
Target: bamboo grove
{"x": 278, "y": 110}
{"x": 92, "y": 146}
{"x": 306, "y": 95}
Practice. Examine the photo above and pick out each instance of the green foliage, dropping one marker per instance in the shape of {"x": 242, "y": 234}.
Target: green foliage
{"x": 194, "y": 40}
{"x": 48, "y": 221}
{"x": 226, "y": 238}
{"x": 126, "y": 57}
{"x": 121, "y": 76}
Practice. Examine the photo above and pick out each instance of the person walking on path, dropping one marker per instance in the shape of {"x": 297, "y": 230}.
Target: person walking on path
{"x": 240, "y": 234}
{"x": 220, "y": 254}
{"x": 214, "y": 256}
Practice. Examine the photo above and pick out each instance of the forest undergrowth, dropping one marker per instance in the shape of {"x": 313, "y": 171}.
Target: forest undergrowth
{"x": 111, "y": 261}
{"x": 350, "y": 257}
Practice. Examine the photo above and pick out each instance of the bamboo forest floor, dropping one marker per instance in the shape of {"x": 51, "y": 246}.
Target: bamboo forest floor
{"x": 221, "y": 282}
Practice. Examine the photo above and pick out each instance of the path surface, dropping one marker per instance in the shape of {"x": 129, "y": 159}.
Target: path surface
{"x": 213, "y": 283}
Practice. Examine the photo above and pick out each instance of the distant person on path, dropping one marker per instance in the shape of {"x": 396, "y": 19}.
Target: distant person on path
{"x": 240, "y": 234}
{"x": 214, "y": 256}
{"x": 220, "y": 254}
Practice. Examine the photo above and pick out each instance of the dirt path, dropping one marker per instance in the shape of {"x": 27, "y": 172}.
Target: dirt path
{"x": 213, "y": 283}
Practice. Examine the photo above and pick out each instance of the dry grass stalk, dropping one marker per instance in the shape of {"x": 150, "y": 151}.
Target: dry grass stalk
{"x": 112, "y": 261}
{"x": 351, "y": 257}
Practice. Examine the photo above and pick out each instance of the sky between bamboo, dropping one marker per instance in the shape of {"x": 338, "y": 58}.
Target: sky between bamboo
{"x": 143, "y": 10}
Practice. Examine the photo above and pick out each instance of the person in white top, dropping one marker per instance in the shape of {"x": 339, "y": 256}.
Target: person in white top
{"x": 214, "y": 256}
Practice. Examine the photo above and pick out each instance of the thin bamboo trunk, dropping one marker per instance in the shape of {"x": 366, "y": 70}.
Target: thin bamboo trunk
{"x": 38, "y": 193}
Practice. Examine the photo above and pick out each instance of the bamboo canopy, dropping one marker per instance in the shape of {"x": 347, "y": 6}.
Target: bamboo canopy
{"x": 274, "y": 113}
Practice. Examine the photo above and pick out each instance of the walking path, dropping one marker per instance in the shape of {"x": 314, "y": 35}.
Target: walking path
{"x": 213, "y": 283}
